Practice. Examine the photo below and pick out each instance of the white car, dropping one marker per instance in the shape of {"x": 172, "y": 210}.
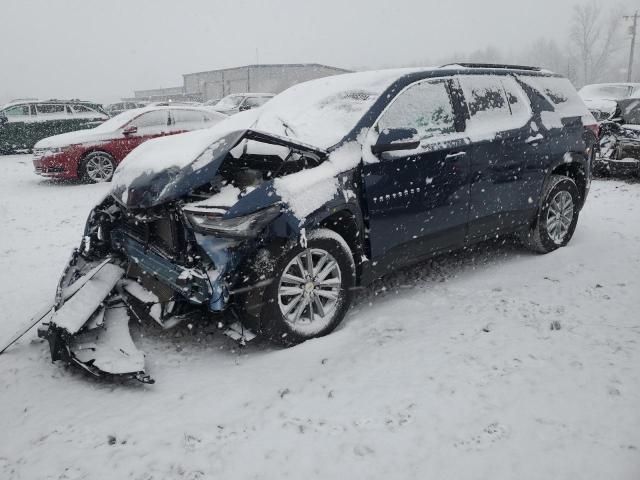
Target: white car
{"x": 601, "y": 98}
{"x": 239, "y": 102}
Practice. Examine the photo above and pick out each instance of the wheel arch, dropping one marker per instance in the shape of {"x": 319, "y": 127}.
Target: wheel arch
{"x": 576, "y": 167}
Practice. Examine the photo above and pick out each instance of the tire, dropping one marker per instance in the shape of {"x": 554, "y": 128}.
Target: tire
{"x": 97, "y": 167}
{"x": 557, "y": 216}
{"x": 288, "y": 312}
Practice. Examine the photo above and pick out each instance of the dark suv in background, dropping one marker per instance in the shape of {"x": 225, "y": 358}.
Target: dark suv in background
{"x": 23, "y": 123}
{"x": 278, "y": 213}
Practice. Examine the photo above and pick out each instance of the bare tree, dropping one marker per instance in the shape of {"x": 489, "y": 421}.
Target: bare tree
{"x": 595, "y": 40}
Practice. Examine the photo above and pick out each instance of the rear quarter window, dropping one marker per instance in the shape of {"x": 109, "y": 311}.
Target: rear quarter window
{"x": 560, "y": 93}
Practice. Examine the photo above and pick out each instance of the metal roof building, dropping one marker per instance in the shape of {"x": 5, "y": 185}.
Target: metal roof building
{"x": 267, "y": 78}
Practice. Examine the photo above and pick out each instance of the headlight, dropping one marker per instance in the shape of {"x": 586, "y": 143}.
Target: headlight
{"x": 209, "y": 220}
{"x": 48, "y": 151}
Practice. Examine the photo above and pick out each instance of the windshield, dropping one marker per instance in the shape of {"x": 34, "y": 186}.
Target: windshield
{"x": 119, "y": 120}
{"x": 321, "y": 112}
{"x": 613, "y": 92}
{"x": 229, "y": 102}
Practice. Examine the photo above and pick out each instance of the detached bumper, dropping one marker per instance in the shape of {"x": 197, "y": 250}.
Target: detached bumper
{"x": 89, "y": 327}
{"x": 625, "y": 166}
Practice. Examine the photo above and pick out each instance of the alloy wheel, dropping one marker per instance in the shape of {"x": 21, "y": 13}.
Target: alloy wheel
{"x": 99, "y": 168}
{"x": 309, "y": 290}
{"x": 560, "y": 216}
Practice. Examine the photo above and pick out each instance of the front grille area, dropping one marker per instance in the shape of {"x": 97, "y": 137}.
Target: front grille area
{"x": 162, "y": 233}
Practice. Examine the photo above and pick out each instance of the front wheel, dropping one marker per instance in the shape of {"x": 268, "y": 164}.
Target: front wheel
{"x": 557, "y": 217}
{"x": 97, "y": 167}
{"x": 310, "y": 291}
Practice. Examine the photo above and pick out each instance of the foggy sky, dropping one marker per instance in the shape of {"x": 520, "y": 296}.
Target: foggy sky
{"x": 104, "y": 49}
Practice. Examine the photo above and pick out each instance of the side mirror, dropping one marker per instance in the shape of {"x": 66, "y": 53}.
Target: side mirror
{"x": 244, "y": 107}
{"x": 130, "y": 130}
{"x": 3, "y": 119}
{"x": 396, "y": 139}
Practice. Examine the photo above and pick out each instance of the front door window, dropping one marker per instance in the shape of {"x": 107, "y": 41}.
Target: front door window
{"x": 425, "y": 107}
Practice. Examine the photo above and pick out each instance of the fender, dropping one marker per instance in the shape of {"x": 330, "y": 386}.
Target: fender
{"x": 570, "y": 159}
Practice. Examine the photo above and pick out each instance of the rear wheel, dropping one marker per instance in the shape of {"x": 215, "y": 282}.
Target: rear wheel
{"x": 311, "y": 290}
{"x": 557, "y": 217}
{"x": 97, "y": 167}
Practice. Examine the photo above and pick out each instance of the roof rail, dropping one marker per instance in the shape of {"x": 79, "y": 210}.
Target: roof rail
{"x": 492, "y": 65}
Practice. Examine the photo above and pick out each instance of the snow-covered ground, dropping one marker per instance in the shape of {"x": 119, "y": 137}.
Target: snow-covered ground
{"x": 449, "y": 370}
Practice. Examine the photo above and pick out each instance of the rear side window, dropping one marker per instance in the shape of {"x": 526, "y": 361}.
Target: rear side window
{"x": 424, "y": 106}
{"x": 81, "y": 109}
{"x": 518, "y": 101}
{"x": 495, "y": 104}
{"x": 189, "y": 118}
{"x": 51, "y": 109}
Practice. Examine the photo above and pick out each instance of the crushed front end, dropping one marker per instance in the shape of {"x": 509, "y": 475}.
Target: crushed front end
{"x": 170, "y": 260}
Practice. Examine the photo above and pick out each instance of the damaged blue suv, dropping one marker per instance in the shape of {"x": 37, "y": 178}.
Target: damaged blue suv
{"x": 277, "y": 214}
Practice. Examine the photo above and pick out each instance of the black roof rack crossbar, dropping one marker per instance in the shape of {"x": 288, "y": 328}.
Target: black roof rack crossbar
{"x": 491, "y": 65}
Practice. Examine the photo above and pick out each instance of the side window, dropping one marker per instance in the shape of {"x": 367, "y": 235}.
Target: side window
{"x": 188, "y": 119}
{"x": 425, "y": 106}
{"x": 51, "y": 109}
{"x": 490, "y": 101}
{"x": 253, "y": 102}
{"x": 518, "y": 102}
{"x": 151, "y": 121}
{"x": 82, "y": 109}
{"x": 17, "y": 112}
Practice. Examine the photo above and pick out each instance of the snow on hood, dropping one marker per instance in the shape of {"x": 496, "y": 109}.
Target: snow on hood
{"x": 74, "y": 138}
{"x": 159, "y": 162}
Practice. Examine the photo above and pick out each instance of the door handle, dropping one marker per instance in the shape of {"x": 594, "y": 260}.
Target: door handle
{"x": 455, "y": 155}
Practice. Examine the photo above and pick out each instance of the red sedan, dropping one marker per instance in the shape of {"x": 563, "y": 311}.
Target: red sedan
{"x": 92, "y": 155}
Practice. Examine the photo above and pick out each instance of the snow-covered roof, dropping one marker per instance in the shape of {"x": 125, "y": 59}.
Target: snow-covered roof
{"x": 52, "y": 100}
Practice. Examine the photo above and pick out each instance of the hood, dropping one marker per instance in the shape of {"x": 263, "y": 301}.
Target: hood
{"x": 74, "y": 138}
{"x": 166, "y": 169}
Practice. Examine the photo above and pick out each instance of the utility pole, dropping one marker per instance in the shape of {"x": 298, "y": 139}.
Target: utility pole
{"x": 633, "y": 42}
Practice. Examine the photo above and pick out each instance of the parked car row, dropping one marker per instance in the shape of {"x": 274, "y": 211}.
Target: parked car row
{"x": 281, "y": 212}
{"x": 24, "y": 123}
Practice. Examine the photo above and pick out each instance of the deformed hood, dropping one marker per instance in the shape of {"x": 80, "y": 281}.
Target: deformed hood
{"x": 166, "y": 169}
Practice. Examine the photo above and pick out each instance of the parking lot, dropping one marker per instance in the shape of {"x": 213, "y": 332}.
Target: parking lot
{"x": 474, "y": 365}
